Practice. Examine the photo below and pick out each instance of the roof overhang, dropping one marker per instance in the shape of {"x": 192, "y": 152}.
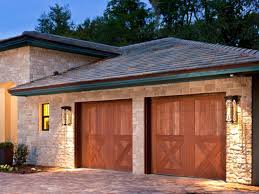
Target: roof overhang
{"x": 27, "y": 40}
{"x": 136, "y": 81}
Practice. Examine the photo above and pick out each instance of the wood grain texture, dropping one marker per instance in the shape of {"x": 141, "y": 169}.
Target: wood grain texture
{"x": 106, "y": 135}
{"x": 189, "y": 136}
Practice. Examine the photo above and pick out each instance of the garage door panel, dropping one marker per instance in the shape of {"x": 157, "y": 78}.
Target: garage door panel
{"x": 188, "y": 136}
{"x": 96, "y": 152}
{"x": 209, "y": 109}
{"x": 123, "y": 152}
{"x": 170, "y": 158}
{"x": 168, "y": 115}
{"x": 124, "y": 124}
{"x": 91, "y": 125}
{"x": 209, "y": 159}
{"x": 106, "y": 135}
{"x": 167, "y": 136}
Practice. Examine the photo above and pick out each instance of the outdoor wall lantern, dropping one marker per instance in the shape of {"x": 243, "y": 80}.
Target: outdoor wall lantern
{"x": 232, "y": 109}
{"x": 66, "y": 115}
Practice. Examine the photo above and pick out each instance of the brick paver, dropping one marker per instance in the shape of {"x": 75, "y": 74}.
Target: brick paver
{"x": 100, "y": 181}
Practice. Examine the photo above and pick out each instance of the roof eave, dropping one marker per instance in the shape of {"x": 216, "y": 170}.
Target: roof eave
{"x": 182, "y": 77}
{"x": 24, "y": 40}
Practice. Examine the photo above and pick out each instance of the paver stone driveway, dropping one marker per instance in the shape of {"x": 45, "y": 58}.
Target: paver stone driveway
{"x": 100, "y": 181}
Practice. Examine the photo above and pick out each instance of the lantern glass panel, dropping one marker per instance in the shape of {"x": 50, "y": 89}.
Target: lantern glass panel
{"x": 229, "y": 110}
{"x": 66, "y": 116}
{"x": 235, "y": 113}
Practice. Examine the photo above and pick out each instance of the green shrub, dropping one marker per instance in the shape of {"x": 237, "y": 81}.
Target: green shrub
{"x": 6, "y": 145}
{"x": 6, "y": 168}
{"x": 21, "y": 153}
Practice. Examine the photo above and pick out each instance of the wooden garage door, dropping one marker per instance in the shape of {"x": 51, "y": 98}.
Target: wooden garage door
{"x": 188, "y": 136}
{"x": 106, "y": 135}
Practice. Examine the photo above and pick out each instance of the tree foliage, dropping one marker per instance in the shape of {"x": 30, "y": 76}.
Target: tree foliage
{"x": 124, "y": 22}
{"x": 57, "y": 21}
{"x": 228, "y": 22}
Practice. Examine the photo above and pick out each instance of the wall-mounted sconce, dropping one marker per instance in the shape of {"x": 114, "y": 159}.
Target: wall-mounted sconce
{"x": 66, "y": 115}
{"x": 232, "y": 109}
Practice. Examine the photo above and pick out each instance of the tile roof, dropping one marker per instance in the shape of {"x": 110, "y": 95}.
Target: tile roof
{"x": 33, "y": 38}
{"x": 158, "y": 56}
{"x": 73, "y": 41}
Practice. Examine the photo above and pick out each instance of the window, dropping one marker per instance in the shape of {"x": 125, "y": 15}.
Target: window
{"x": 45, "y": 117}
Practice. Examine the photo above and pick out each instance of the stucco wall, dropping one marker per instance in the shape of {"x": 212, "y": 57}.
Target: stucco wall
{"x": 56, "y": 147}
{"x": 43, "y": 62}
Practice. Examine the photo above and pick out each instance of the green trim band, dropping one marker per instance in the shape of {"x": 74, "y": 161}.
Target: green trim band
{"x": 27, "y": 41}
{"x": 136, "y": 82}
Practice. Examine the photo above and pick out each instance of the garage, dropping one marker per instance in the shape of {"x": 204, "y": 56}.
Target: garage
{"x": 105, "y": 135}
{"x": 188, "y": 136}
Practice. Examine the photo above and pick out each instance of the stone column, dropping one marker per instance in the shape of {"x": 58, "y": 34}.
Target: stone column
{"x": 239, "y": 136}
{"x": 138, "y": 135}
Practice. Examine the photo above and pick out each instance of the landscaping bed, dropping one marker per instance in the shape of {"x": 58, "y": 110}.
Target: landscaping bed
{"x": 28, "y": 169}
{"x": 13, "y": 159}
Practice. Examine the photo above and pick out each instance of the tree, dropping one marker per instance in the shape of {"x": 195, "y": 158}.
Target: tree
{"x": 175, "y": 13}
{"x": 93, "y": 30}
{"x": 249, "y": 37}
{"x": 128, "y": 21}
{"x": 56, "y": 21}
{"x": 226, "y": 22}
{"x": 123, "y": 22}
{"x": 236, "y": 22}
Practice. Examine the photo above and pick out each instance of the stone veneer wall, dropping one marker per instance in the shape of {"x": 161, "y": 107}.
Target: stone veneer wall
{"x": 25, "y": 64}
{"x": 22, "y": 65}
{"x": 56, "y": 147}
{"x": 14, "y": 70}
{"x": 15, "y": 65}
{"x": 44, "y": 62}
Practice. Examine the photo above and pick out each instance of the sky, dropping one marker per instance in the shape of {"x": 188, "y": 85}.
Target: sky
{"x": 17, "y": 16}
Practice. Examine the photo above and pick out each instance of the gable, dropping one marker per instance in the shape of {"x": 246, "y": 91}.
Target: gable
{"x": 15, "y": 66}
{"x": 44, "y": 62}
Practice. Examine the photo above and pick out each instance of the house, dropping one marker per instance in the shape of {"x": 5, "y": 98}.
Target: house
{"x": 167, "y": 106}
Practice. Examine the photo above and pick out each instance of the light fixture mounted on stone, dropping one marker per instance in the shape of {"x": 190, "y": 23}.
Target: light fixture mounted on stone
{"x": 66, "y": 115}
{"x": 232, "y": 109}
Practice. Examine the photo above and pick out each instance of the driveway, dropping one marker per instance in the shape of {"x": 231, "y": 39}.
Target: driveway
{"x": 99, "y": 181}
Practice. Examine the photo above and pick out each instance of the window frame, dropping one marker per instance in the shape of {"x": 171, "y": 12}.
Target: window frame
{"x": 43, "y": 117}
